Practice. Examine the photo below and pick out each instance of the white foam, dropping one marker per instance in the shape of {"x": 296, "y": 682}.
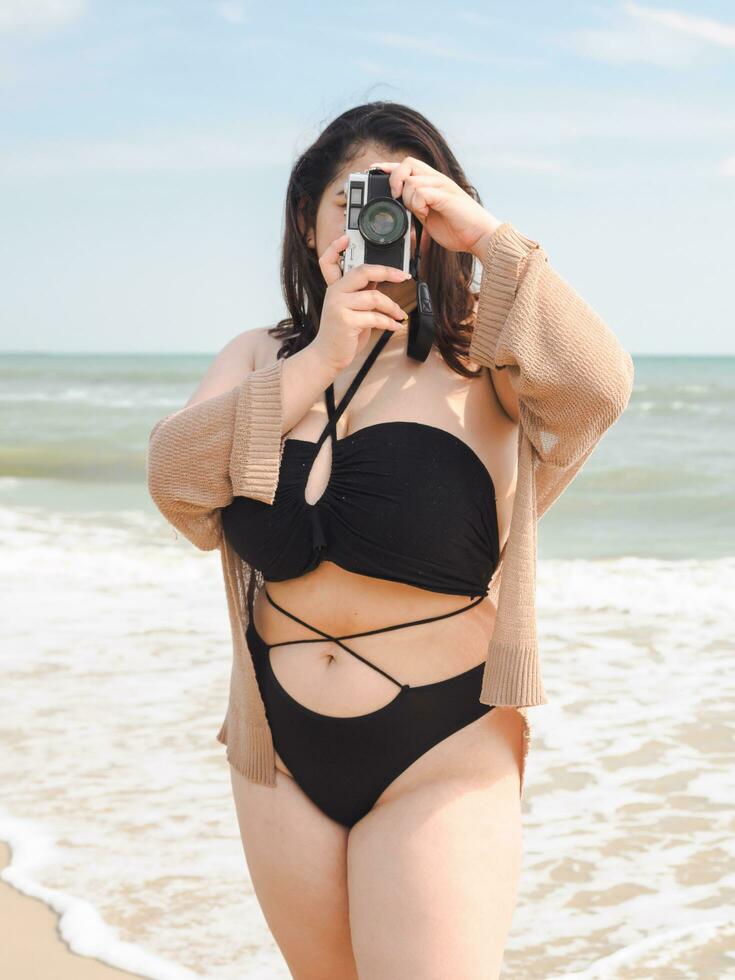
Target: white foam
{"x": 659, "y": 951}
{"x": 105, "y": 396}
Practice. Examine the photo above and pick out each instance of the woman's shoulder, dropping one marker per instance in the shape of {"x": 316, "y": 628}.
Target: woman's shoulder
{"x": 264, "y": 346}
{"x": 246, "y": 352}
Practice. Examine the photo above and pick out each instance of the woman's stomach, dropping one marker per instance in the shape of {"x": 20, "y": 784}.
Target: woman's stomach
{"x": 326, "y": 678}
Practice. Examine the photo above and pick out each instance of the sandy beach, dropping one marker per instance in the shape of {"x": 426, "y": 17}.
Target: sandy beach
{"x": 32, "y": 946}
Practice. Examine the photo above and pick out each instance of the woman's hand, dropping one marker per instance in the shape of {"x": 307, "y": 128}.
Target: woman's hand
{"x": 447, "y": 213}
{"x": 353, "y": 307}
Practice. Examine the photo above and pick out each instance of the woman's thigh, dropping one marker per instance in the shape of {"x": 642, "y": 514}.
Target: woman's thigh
{"x": 433, "y": 870}
{"x": 296, "y": 857}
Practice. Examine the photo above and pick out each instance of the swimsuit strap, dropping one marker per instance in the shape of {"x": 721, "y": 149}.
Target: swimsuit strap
{"x": 333, "y": 414}
{"x": 349, "y": 636}
{"x": 326, "y": 636}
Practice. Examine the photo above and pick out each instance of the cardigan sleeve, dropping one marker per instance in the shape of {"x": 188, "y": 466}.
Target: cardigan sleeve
{"x": 572, "y": 376}
{"x": 203, "y": 455}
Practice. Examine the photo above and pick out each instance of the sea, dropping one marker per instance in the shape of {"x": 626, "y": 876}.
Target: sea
{"x": 115, "y": 797}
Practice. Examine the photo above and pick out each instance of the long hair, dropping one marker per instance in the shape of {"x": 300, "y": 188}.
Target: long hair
{"x": 399, "y": 129}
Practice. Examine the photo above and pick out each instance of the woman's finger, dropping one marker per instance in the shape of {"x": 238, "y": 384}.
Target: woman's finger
{"x": 414, "y": 198}
{"x": 362, "y": 275}
{"x": 367, "y": 300}
{"x": 407, "y": 167}
{"x": 329, "y": 260}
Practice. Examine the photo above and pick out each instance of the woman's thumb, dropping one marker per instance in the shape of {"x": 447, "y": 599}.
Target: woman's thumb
{"x": 329, "y": 261}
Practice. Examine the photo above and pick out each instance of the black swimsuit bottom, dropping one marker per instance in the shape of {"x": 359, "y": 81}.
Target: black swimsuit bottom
{"x": 344, "y": 764}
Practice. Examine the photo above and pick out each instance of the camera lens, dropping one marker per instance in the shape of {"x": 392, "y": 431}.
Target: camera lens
{"x": 382, "y": 221}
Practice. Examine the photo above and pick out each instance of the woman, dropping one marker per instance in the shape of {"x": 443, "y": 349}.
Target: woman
{"x": 364, "y": 504}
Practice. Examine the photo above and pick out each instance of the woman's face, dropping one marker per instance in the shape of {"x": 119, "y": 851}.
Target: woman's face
{"x": 330, "y": 217}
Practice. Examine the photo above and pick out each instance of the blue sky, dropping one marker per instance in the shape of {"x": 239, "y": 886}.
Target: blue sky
{"x": 145, "y": 150}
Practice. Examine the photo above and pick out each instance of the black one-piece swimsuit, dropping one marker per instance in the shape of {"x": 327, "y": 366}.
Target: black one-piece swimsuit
{"x": 407, "y": 502}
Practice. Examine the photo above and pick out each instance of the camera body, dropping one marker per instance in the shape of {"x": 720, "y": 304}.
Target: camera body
{"x": 378, "y": 226}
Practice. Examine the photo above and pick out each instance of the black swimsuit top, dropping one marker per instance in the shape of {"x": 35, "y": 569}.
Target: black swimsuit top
{"x": 405, "y": 501}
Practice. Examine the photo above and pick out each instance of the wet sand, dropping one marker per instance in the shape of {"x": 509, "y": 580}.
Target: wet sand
{"x": 32, "y": 948}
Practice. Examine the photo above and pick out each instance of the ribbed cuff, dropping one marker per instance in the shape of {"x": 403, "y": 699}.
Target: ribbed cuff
{"x": 252, "y": 754}
{"x": 505, "y": 253}
{"x": 512, "y": 676}
{"x": 256, "y": 441}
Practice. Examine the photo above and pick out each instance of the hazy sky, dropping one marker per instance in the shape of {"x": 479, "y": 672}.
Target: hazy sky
{"x": 145, "y": 149}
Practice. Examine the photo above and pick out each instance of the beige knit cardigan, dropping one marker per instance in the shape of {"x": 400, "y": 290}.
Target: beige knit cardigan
{"x": 573, "y": 381}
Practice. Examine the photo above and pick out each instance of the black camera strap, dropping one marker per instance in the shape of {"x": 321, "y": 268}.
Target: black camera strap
{"x": 421, "y": 327}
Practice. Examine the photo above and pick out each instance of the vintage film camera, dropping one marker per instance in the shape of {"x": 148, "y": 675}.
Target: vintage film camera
{"x": 378, "y": 227}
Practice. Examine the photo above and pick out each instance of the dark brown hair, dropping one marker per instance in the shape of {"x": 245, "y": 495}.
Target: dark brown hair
{"x": 396, "y": 128}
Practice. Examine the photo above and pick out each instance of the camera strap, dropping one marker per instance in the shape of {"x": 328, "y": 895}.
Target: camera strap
{"x": 421, "y": 327}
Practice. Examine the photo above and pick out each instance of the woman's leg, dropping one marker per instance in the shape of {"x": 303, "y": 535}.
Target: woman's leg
{"x": 297, "y": 858}
{"x": 433, "y": 869}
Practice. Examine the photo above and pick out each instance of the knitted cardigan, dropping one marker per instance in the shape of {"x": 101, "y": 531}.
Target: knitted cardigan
{"x": 573, "y": 380}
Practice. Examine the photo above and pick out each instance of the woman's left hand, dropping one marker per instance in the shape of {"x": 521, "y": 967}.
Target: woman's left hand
{"x": 447, "y": 213}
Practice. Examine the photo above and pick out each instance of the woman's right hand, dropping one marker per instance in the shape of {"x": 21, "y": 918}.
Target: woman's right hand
{"x": 353, "y": 306}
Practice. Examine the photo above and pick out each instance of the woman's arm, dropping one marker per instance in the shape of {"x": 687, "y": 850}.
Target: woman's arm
{"x": 505, "y": 392}
{"x": 228, "y": 443}
{"x": 572, "y": 377}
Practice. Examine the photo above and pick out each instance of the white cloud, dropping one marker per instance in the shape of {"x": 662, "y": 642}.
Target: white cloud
{"x": 478, "y": 20}
{"x": 656, "y": 36}
{"x": 436, "y": 49}
{"x": 727, "y": 168}
{"x": 566, "y": 118}
{"x": 386, "y": 73}
{"x": 39, "y": 15}
{"x": 232, "y": 12}
{"x": 582, "y": 133}
{"x": 431, "y": 48}
{"x": 255, "y": 146}
{"x": 510, "y": 162}
{"x": 702, "y": 28}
